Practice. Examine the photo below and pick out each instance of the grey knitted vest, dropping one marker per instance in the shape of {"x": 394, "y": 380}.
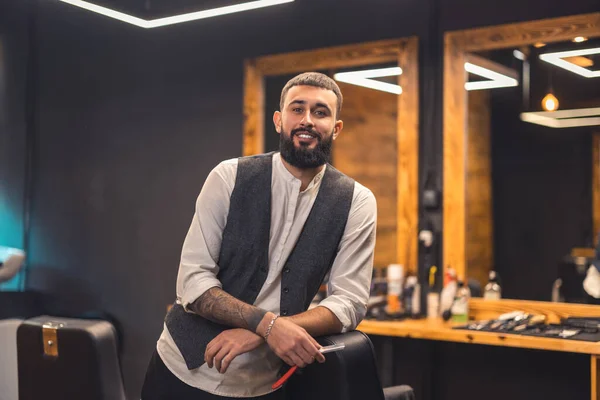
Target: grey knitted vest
{"x": 244, "y": 256}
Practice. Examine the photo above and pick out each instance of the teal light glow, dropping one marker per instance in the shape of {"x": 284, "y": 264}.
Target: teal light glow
{"x": 11, "y": 238}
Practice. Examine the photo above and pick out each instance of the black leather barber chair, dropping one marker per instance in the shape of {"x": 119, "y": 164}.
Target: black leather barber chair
{"x": 68, "y": 358}
{"x": 349, "y": 374}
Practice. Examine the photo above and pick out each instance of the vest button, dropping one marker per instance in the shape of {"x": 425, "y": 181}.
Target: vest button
{"x": 283, "y": 312}
{"x": 285, "y": 290}
{"x": 287, "y": 270}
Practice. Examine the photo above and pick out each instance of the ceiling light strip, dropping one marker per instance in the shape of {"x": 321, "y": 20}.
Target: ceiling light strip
{"x": 252, "y": 5}
{"x": 497, "y": 80}
{"x": 557, "y": 59}
{"x": 365, "y": 79}
{"x": 142, "y": 23}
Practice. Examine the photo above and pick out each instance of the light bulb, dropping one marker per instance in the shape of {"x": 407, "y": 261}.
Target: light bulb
{"x": 579, "y": 39}
{"x": 550, "y": 102}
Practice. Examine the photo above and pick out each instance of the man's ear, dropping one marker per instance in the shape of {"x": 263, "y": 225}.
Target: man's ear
{"x": 277, "y": 121}
{"x": 337, "y": 128}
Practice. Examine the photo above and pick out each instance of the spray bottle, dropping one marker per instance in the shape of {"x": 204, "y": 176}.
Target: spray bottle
{"x": 449, "y": 290}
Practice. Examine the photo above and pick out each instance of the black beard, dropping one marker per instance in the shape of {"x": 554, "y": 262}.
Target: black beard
{"x": 304, "y": 157}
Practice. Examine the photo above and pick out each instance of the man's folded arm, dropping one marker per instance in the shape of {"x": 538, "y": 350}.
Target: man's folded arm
{"x": 218, "y": 306}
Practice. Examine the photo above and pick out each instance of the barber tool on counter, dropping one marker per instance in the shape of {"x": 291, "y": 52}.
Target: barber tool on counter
{"x": 512, "y": 321}
{"x": 591, "y": 325}
{"x": 521, "y": 323}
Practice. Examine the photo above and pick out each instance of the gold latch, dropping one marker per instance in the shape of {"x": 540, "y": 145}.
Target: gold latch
{"x": 50, "y": 338}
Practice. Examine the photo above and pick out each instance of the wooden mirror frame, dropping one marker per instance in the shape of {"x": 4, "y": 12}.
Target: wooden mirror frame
{"x": 404, "y": 52}
{"x": 457, "y": 45}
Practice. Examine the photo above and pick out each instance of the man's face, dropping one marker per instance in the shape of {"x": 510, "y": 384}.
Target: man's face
{"x": 307, "y": 126}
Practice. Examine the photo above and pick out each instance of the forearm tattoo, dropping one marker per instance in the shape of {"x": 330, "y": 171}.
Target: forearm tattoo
{"x": 218, "y": 306}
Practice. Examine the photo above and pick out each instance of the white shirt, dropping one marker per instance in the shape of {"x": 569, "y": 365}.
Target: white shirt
{"x": 252, "y": 374}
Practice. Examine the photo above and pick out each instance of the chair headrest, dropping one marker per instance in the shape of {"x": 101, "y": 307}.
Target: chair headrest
{"x": 11, "y": 266}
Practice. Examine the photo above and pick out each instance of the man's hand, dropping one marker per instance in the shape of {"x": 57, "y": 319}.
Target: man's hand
{"x": 292, "y": 343}
{"x": 228, "y": 345}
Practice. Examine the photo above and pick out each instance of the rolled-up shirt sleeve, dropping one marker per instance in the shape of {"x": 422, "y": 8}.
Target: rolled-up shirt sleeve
{"x": 198, "y": 267}
{"x": 349, "y": 279}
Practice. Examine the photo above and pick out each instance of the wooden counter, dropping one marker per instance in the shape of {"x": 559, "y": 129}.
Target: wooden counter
{"x": 439, "y": 330}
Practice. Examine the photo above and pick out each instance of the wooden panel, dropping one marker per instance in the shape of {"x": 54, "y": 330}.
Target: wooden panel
{"x": 253, "y": 110}
{"x": 583, "y": 252}
{"x": 594, "y": 377}
{"x": 366, "y": 151}
{"x": 479, "y": 223}
{"x": 596, "y": 183}
{"x": 330, "y": 58}
{"x": 480, "y": 309}
{"x": 442, "y": 331}
{"x": 454, "y": 155}
{"x": 408, "y": 159}
{"x": 547, "y": 31}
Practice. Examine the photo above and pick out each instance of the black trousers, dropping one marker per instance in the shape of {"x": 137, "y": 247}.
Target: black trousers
{"x": 161, "y": 384}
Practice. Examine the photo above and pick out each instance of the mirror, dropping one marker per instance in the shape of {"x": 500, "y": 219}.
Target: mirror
{"x": 378, "y": 146}
{"x": 521, "y": 178}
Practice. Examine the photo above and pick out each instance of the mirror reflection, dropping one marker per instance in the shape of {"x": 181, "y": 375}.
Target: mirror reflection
{"x": 532, "y": 167}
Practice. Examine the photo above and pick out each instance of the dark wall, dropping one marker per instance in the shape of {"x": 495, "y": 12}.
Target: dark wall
{"x": 130, "y": 122}
{"x": 14, "y": 52}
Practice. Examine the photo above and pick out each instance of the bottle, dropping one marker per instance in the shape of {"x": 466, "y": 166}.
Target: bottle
{"x": 492, "y": 290}
{"x": 449, "y": 290}
{"x": 408, "y": 293}
{"x": 557, "y": 296}
{"x": 433, "y": 298}
{"x": 416, "y": 299}
{"x": 395, "y": 276}
{"x": 412, "y": 296}
{"x": 460, "y": 306}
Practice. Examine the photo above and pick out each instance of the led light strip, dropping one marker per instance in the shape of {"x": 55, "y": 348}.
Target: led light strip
{"x": 557, "y": 59}
{"x": 497, "y": 80}
{"x": 176, "y": 19}
{"x": 564, "y": 118}
{"x": 365, "y": 79}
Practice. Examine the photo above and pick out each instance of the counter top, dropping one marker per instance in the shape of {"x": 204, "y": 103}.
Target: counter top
{"x": 437, "y": 329}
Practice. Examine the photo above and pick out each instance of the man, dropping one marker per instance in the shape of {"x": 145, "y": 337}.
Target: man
{"x": 267, "y": 230}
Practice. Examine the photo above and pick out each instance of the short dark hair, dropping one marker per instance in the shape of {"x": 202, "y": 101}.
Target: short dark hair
{"x": 315, "y": 79}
